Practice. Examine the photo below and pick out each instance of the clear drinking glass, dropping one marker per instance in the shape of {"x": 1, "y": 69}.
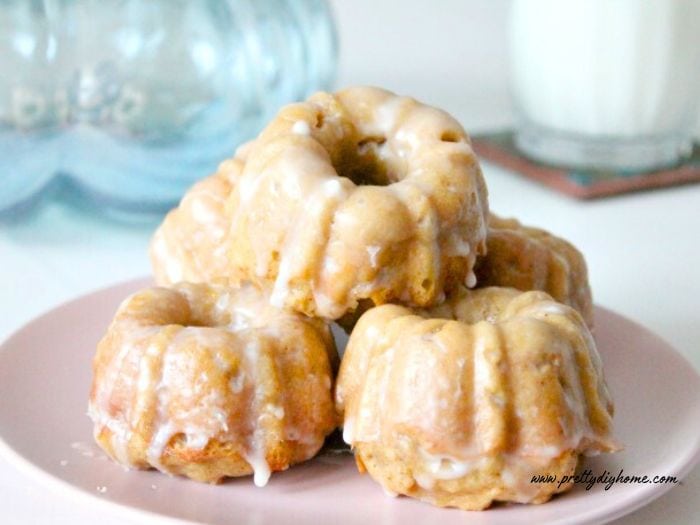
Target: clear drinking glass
{"x": 608, "y": 84}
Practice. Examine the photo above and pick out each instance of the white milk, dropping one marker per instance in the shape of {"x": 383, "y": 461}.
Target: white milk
{"x": 619, "y": 69}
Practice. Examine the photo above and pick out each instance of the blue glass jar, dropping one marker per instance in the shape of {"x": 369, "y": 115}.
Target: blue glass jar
{"x": 130, "y": 101}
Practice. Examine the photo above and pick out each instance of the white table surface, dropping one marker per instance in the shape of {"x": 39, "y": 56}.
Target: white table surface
{"x": 643, "y": 250}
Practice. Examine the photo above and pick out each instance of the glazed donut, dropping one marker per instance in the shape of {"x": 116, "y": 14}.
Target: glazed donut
{"x": 528, "y": 258}
{"x": 358, "y": 195}
{"x": 190, "y": 243}
{"x": 462, "y": 404}
{"x": 208, "y": 382}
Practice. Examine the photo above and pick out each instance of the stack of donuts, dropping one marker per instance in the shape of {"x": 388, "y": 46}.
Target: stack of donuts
{"x": 470, "y": 365}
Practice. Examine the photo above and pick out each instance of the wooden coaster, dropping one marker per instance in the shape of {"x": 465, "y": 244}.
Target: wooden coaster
{"x": 500, "y": 149}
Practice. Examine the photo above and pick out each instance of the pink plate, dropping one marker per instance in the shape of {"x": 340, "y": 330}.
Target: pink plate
{"x": 45, "y": 371}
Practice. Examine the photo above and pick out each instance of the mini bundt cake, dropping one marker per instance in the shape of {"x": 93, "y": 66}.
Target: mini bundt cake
{"x": 208, "y": 382}
{"x": 462, "y": 404}
{"x": 532, "y": 259}
{"x": 190, "y": 243}
{"x": 358, "y": 195}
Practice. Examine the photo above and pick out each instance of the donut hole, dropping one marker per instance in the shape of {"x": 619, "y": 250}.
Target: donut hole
{"x": 364, "y": 163}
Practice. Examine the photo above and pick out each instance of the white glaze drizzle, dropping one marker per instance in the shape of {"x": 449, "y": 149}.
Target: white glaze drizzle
{"x": 372, "y": 252}
{"x": 301, "y": 127}
{"x": 349, "y": 429}
{"x": 328, "y": 193}
{"x": 255, "y": 454}
{"x": 438, "y": 467}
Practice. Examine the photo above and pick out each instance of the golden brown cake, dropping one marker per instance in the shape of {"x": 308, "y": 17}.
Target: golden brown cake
{"x": 462, "y": 404}
{"x": 358, "y": 195}
{"x": 532, "y": 259}
{"x": 208, "y": 382}
{"x": 190, "y": 243}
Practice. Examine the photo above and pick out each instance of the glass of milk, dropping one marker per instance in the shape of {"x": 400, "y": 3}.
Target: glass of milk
{"x": 608, "y": 84}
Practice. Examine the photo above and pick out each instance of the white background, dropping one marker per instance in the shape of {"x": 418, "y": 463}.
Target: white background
{"x": 642, "y": 250}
